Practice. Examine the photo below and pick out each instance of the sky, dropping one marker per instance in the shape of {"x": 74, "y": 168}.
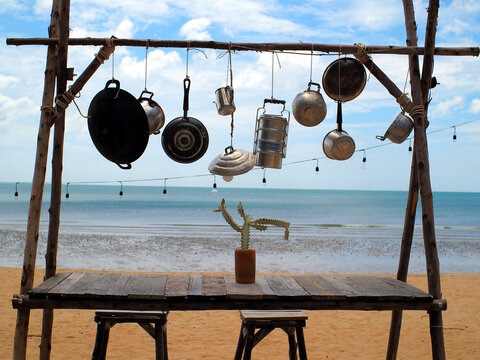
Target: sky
{"x": 454, "y": 166}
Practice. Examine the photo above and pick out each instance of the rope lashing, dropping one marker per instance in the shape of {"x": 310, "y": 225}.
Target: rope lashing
{"x": 106, "y": 50}
{"x": 63, "y": 100}
{"x": 361, "y": 53}
{"x": 49, "y": 110}
{"x": 405, "y": 103}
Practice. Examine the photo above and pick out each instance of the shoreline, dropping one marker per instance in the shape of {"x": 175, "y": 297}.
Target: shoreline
{"x": 213, "y": 334}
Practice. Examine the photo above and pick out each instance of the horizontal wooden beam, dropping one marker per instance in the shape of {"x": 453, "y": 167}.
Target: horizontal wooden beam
{"x": 221, "y": 303}
{"x": 326, "y": 48}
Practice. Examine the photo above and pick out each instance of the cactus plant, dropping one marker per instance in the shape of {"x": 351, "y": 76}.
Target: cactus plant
{"x": 258, "y": 224}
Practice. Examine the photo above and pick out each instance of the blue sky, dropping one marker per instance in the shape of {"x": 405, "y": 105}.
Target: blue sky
{"x": 455, "y": 166}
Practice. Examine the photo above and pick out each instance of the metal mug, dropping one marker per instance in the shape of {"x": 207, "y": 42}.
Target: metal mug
{"x": 224, "y": 102}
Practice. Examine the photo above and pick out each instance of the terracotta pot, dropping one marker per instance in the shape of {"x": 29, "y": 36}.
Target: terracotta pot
{"x": 245, "y": 266}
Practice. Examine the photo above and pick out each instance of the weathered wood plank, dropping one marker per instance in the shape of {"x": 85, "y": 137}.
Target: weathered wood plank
{"x": 119, "y": 286}
{"x": 195, "y": 285}
{"x": 67, "y": 283}
{"x": 273, "y": 314}
{"x": 51, "y": 282}
{"x": 318, "y": 287}
{"x": 266, "y": 290}
{"x": 177, "y": 285}
{"x": 343, "y": 285}
{"x": 214, "y": 285}
{"x": 277, "y": 283}
{"x": 404, "y": 288}
{"x": 147, "y": 286}
{"x": 241, "y": 291}
{"x": 294, "y": 286}
{"x": 92, "y": 284}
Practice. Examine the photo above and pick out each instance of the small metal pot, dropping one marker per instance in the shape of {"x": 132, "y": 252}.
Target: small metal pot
{"x": 225, "y": 105}
{"x": 399, "y": 130}
{"x": 337, "y": 144}
{"x": 308, "y": 107}
{"x": 155, "y": 114}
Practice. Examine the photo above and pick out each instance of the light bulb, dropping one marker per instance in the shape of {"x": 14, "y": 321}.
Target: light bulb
{"x": 227, "y": 178}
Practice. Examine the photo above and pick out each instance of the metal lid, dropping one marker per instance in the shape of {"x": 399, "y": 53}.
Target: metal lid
{"x": 232, "y": 162}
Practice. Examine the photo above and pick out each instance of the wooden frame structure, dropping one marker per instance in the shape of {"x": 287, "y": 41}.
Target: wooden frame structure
{"x": 53, "y": 114}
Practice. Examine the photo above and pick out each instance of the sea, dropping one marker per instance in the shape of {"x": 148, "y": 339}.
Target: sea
{"x": 331, "y": 231}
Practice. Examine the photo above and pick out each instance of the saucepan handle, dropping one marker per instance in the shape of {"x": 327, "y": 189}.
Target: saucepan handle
{"x": 274, "y": 101}
{"x": 117, "y": 86}
{"x": 186, "y": 91}
{"x": 146, "y": 92}
{"x": 313, "y": 83}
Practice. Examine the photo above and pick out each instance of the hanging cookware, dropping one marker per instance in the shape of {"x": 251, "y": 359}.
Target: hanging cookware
{"x": 271, "y": 131}
{"x": 232, "y": 162}
{"x": 185, "y": 139}
{"x": 399, "y": 130}
{"x": 224, "y": 102}
{"x": 155, "y": 114}
{"x": 118, "y": 125}
{"x": 337, "y": 144}
{"x": 308, "y": 107}
{"x": 344, "y": 79}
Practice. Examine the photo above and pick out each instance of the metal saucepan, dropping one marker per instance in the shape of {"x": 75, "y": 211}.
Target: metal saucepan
{"x": 185, "y": 139}
{"x": 155, "y": 114}
{"x": 337, "y": 144}
{"x": 344, "y": 79}
{"x": 308, "y": 107}
{"x": 399, "y": 130}
{"x": 118, "y": 125}
{"x": 225, "y": 105}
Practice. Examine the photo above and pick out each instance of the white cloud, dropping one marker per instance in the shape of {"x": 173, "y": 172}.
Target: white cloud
{"x": 195, "y": 29}
{"x": 13, "y": 109}
{"x": 475, "y": 106}
{"x": 7, "y": 81}
{"x": 448, "y": 106}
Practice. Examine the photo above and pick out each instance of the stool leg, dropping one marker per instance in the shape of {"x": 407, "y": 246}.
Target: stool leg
{"x": 160, "y": 342}
{"x": 249, "y": 343}
{"x": 101, "y": 340}
{"x": 240, "y": 344}
{"x": 292, "y": 344}
{"x": 301, "y": 344}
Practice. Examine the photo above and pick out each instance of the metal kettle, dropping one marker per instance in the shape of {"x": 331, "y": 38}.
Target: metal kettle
{"x": 308, "y": 107}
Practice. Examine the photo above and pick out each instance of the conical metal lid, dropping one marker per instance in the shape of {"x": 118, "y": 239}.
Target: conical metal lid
{"x": 232, "y": 162}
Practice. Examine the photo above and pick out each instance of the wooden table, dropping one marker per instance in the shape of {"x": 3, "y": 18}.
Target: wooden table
{"x": 83, "y": 290}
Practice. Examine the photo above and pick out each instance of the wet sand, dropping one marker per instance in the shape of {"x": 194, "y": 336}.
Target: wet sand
{"x": 213, "y": 334}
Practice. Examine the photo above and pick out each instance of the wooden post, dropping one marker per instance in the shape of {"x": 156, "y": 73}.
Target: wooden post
{"x": 38, "y": 183}
{"x": 407, "y": 237}
{"x": 410, "y": 212}
{"x": 421, "y": 147}
{"x": 57, "y": 160}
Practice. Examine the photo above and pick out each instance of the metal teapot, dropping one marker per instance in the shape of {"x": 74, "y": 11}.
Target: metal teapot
{"x": 308, "y": 107}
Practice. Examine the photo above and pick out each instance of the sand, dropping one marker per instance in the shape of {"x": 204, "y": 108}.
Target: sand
{"x": 213, "y": 334}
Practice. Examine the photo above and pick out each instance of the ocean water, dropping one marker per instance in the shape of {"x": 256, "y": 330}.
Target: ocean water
{"x": 330, "y": 232}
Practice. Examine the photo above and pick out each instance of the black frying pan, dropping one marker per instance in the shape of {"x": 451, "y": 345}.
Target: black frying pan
{"x": 185, "y": 139}
{"x": 118, "y": 125}
{"x": 344, "y": 79}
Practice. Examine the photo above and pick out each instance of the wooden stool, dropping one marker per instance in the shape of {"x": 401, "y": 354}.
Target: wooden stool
{"x": 107, "y": 319}
{"x": 266, "y": 321}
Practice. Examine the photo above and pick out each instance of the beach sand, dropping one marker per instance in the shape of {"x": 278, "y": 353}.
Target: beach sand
{"x": 213, "y": 334}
